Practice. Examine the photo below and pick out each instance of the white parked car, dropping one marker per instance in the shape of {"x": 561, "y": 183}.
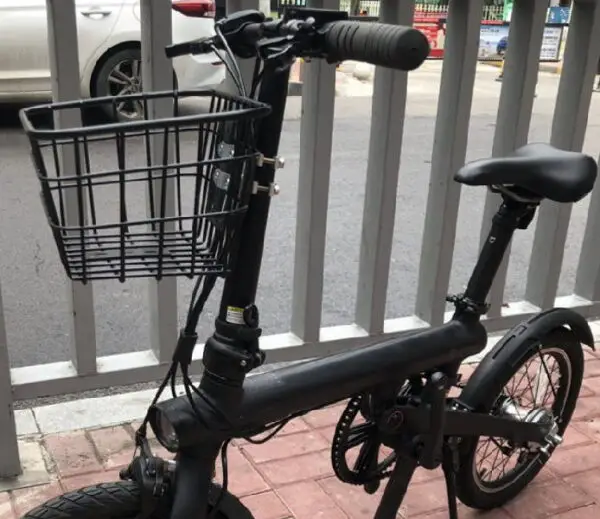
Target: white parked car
{"x": 109, "y": 34}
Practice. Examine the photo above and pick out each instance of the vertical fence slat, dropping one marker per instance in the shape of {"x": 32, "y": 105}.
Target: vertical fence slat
{"x": 157, "y": 75}
{"x": 246, "y": 65}
{"x": 316, "y": 132}
{"x": 514, "y": 110}
{"x": 9, "y": 450}
{"x": 449, "y": 150}
{"x": 568, "y": 131}
{"x": 385, "y": 143}
{"x": 587, "y": 280}
{"x": 64, "y": 71}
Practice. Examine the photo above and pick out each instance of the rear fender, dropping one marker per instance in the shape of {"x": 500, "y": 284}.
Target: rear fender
{"x": 523, "y": 338}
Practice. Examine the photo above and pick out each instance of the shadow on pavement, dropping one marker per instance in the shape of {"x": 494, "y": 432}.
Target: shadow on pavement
{"x": 9, "y": 117}
{"x": 9, "y": 114}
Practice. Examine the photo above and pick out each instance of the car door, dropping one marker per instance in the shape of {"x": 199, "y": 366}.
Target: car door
{"x": 24, "y": 58}
{"x": 23, "y": 46}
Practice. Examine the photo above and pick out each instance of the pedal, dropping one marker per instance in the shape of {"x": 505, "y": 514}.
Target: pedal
{"x": 371, "y": 487}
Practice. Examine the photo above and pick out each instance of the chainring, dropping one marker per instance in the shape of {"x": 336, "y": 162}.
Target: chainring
{"x": 367, "y": 468}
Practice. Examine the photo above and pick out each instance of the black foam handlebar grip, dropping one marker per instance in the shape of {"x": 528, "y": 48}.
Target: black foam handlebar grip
{"x": 393, "y": 46}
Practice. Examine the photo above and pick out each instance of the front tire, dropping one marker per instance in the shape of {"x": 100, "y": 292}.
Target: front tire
{"x": 122, "y": 500}
{"x": 491, "y": 393}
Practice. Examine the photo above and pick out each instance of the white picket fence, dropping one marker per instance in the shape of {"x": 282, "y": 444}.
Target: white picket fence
{"x": 307, "y": 337}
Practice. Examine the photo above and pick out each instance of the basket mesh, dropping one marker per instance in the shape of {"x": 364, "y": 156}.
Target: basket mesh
{"x": 151, "y": 198}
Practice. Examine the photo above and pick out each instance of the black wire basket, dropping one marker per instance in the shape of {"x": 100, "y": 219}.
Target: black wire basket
{"x": 150, "y": 197}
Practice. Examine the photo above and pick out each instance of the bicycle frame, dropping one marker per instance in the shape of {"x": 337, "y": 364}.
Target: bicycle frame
{"x": 234, "y": 406}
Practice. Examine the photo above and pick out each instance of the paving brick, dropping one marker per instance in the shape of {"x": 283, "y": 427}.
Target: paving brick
{"x": 25, "y": 499}
{"x": 6, "y": 508}
{"x": 425, "y": 498}
{"x": 587, "y": 512}
{"x": 539, "y": 501}
{"x": 243, "y": 477}
{"x": 592, "y": 385}
{"x": 325, "y": 417}
{"x": 293, "y": 427}
{"x": 465, "y": 513}
{"x": 577, "y": 459}
{"x": 592, "y": 368}
{"x": 286, "y": 447}
{"x": 588, "y": 482}
{"x": 327, "y": 433}
{"x": 587, "y": 408}
{"x": 589, "y": 428}
{"x": 586, "y": 391}
{"x": 266, "y": 505}
{"x": 353, "y": 500}
{"x": 576, "y": 436}
{"x": 466, "y": 370}
{"x": 90, "y": 479}
{"x": 73, "y": 453}
{"x": 309, "y": 466}
{"x": 307, "y": 500}
{"x": 588, "y": 354}
{"x": 115, "y": 446}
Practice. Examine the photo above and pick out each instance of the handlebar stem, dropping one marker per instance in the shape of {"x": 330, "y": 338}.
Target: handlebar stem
{"x": 232, "y": 338}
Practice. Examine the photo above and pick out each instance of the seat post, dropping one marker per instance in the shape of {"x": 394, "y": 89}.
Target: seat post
{"x": 511, "y": 215}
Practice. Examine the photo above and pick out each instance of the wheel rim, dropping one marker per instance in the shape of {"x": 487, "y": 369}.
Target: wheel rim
{"x": 541, "y": 384}
{"x": 125, "y": 78}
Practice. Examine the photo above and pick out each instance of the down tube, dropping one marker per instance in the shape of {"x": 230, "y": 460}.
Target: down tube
{"x": 275, "y": 395}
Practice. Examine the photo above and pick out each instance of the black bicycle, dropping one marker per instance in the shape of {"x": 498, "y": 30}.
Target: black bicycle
{"x": 209, "y": 202}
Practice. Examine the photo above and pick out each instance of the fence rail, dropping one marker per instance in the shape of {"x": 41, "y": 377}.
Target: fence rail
{"x": 307, "y": 338}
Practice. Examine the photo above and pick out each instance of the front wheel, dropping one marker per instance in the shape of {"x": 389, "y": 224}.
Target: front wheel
{"x": 123, "y": 500}
{"x": 528, "y": 382}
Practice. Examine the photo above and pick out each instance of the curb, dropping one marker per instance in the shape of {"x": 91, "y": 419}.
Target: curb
{"x": 112, "y": 410}
{"x": 295, "y": 89}
{"x": 551, "y": 68}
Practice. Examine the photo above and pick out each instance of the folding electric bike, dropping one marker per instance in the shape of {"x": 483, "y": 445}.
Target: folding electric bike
{"x": 491, "y": 440}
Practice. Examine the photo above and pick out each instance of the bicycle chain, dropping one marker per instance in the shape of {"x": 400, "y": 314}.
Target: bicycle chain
{"x": 339, "y": 449}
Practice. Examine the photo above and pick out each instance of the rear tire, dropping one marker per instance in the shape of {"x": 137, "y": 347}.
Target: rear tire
{"x": 492, "y": 390}
{"x": 122, "y": 500}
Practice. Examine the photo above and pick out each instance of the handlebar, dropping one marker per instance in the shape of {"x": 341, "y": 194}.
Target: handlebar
{"x": 393, "y": 46}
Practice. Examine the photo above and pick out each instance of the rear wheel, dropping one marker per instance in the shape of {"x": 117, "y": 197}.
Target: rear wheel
{"x": 534, "y": 383}
{"x": 122, "y": 500}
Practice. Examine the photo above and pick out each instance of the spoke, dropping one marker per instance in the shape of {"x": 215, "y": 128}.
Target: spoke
{"x": 359, "y": 434}
{"x": 135, "y": 68}
{"x": 118, "y": 81}
{"x": 125, "y": 91}
{"x": 117, "y": 73}
{"x": 367, "y": 455}
{"x": 494, "y": 463}
{"x": 548, "y": 375}
{"x": 139, "y": 108}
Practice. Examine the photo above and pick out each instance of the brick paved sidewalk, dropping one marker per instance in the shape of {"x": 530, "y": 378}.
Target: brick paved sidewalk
{"x": 291, "y": 476}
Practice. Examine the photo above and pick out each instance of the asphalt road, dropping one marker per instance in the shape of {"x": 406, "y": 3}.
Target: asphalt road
{"x": 34, "y": 288}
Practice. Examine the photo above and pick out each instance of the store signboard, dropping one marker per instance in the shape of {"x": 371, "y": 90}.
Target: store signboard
{"x": 492, "y": 41}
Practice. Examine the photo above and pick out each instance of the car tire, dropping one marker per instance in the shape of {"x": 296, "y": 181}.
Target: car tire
{"x": 120, "y": 73}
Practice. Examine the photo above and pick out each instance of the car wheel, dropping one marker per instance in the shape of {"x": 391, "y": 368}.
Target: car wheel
{"x": 121, "y": 74}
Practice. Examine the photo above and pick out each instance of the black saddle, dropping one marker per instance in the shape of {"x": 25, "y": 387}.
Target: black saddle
{"x": 541, "y": 169}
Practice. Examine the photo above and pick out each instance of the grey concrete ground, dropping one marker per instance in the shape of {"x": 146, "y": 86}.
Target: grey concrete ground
{"x": 34, "y": 287}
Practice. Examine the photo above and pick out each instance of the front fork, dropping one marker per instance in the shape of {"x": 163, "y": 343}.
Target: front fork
{"x": 180, "y": 487}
